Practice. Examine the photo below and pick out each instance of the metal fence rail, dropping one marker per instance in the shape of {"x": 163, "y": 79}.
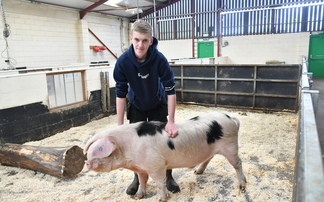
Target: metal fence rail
{"x": 309, "y": 178}
{"x": 270, "y": 87}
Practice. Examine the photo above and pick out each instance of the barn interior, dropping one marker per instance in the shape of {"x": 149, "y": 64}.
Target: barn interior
{"x": 253, "y": 57}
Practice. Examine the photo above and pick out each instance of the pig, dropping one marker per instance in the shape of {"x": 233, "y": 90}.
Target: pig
{"x": 146, "y": 149}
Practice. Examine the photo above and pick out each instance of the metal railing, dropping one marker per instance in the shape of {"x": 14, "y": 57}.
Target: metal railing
{"x": 309, "y": 178}
{"x": 247, "y": 86}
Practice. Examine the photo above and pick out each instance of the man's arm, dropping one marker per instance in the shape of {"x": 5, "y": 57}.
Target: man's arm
{"x": 120, "y": 108}
{"x": 170, "y": 127}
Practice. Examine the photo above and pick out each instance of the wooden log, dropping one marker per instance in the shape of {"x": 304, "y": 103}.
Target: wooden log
{"x": 63, "y": 162}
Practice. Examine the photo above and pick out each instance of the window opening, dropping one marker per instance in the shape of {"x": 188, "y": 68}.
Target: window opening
{"x": 64, "y": 89}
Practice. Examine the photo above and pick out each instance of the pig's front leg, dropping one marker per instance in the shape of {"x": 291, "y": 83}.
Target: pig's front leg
{"x": 202, "y": 167}
{"x": 159, "y": 178}
{"x": 142, "y": 177}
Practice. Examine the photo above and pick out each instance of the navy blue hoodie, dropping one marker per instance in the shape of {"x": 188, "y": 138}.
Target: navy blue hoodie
{"x": 146, "y": 83}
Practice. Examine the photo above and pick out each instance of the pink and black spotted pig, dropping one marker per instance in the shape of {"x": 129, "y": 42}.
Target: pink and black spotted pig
{"x": 145, "y": 148}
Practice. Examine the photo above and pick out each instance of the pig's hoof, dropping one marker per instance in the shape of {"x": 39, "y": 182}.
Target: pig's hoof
{"x": 165, "y": 198}
{"x": 242, "y": 188}
{"x": 198, "y": 172}
{"x": 138, "y": 196}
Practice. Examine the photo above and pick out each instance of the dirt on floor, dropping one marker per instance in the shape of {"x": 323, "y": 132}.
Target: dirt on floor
{"x": 267, "y": 144}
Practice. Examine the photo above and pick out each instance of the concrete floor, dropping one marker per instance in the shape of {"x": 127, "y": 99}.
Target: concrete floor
{"x": 318, "y": 84}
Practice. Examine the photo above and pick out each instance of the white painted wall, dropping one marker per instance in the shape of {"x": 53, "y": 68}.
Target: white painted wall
{"x": 22, "y": 89}
{"x": 93, "y": 78}
{"x": 109, "y": 31}
{"x": 258, "y": 49}
{"x": 176, "y": 48}
{"x": 254, "y": 49}
{"x": 43, "y": 35}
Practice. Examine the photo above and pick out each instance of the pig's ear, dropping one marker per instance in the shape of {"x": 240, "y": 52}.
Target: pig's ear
{"x": 101, "y": 148}
{"x": 90, "y": 142}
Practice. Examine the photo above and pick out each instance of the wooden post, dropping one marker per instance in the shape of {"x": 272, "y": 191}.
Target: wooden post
{"x": 105, "y": 91}
{"x": 57, "y": 161}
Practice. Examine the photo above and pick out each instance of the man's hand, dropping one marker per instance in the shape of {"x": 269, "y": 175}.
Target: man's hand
{"x": 171, "y": 129}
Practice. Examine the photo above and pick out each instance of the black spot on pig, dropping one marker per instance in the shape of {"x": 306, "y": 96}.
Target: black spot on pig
{"x": 171, "y": 145}
{"x": 196, "y": 118}
{"x": 228, "y": 116}
{"x": 150, "y": 128}
{"x": 214, "y": 133}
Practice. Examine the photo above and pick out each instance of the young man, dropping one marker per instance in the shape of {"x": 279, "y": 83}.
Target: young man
{"x": 145, "y": 75}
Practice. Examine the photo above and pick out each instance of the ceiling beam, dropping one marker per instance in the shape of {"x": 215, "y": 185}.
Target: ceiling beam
{"x": 90, "y": 8}
{"x": 158, "y": 7}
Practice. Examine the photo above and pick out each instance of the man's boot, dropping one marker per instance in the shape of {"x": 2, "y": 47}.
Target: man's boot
{"x": 170, "y": 183}
{"x": 133, "y": 187}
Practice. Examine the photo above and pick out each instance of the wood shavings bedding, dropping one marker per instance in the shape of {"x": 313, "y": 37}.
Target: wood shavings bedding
{"x": 266, "y": 146}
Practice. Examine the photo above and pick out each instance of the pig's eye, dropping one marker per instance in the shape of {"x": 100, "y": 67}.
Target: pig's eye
{"x": 110, "y": 155}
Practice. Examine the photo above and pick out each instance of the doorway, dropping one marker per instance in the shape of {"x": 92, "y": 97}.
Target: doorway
{"x": 316, "y": 55}
{"x": 206, "y": 49}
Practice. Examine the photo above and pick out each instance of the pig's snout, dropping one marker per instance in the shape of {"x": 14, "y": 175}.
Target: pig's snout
{"x": 91, "y": 164}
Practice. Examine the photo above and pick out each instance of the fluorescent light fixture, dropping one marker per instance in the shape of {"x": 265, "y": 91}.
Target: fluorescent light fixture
{"x": 113, "y": 3}
{"x": 174, "y": 19}
{"x": 134, "y": 10}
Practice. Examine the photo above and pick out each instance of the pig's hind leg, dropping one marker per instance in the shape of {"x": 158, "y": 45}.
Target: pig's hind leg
{"x": 143, "y": 177}
{"x": 202, "y": 167}
{"x": 231, "y": 154}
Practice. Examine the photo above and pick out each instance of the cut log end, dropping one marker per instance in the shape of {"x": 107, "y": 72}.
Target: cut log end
{"x": 73, "y": 162}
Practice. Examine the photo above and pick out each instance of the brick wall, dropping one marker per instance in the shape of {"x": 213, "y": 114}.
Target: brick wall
{"x": 44, "y": 35}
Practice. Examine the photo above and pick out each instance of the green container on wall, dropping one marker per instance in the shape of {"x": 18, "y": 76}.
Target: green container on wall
{"x": 316, "y": 55}
{"x": 205, "y": 49}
